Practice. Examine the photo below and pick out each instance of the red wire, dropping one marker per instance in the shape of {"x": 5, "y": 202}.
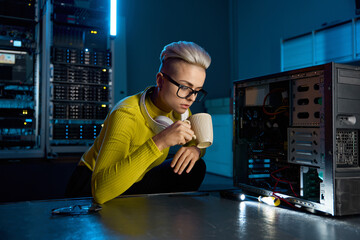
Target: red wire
{"x": 278, "y": 179}
{"x": 284, "y": 181}
{"x": 281, "y": 180}
{"x": 283, "y": 199}
{"x": 264, "y": 110}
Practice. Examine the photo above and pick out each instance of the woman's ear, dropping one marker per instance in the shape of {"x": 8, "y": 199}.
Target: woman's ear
{"x": 159, "y": 80}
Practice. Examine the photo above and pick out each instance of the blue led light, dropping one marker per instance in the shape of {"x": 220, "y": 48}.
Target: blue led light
{"x": 263, "y": 165}
{"x": 17, "y": 43}
{"x": 28, "y": 120}
{"x": 259, "y": 175}
{"x": 113, "y": 8}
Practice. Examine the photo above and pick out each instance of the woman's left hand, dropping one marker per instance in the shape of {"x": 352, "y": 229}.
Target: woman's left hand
{"x": 185, "y": 157}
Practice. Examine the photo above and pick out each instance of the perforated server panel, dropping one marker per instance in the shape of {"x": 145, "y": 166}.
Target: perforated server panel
{"x": 80, "y": 80}
{"x": 296, "y": 136}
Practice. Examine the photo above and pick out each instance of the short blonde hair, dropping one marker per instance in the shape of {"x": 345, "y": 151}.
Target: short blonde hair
{"x": 187, "y": 51}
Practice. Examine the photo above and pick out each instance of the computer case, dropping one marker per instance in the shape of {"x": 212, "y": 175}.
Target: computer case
{"x": 296, "y": 136}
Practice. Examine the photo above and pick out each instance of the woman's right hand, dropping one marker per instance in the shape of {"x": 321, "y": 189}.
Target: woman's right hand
{"x": 177, "y": 133}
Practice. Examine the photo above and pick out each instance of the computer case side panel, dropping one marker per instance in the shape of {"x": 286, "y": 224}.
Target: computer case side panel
{"x": 346, "y": 125}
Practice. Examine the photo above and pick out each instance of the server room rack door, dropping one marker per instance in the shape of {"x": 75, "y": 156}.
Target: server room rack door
{"x": 79, "y": 75}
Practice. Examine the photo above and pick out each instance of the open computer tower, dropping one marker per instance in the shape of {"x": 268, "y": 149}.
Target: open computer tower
{"x": 296, "y": 136}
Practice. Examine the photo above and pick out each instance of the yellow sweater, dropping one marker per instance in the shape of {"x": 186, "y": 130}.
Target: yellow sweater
{"x": 124, "y": 150}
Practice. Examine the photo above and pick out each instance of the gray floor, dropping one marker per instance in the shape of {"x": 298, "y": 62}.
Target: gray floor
{"x": 175, "y": 216}
{"x": 216, "y": 182}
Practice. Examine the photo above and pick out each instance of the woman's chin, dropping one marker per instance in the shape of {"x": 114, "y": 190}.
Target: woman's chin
{"x": 180, "y": 111}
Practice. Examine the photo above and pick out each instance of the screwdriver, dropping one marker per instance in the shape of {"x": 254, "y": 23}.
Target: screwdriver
{"x": 272, "y": 201}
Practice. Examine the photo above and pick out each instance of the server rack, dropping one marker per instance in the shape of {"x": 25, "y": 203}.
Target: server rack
{"x": 20, "y": 104}
{"x": 79, "y": 74}
{"x": 296, "y": 136}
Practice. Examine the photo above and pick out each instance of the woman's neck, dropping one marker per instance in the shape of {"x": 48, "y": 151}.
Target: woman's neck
{"x": 155, "y": 98}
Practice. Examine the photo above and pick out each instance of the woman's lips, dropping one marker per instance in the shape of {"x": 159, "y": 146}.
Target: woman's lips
{"x": 185, "y": 106}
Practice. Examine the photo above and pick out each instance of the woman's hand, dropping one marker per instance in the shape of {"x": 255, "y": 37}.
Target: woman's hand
{"x": 185, "y": 157}
{"x": 177, "y": 133}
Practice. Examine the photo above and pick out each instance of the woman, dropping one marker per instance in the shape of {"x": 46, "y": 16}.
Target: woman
{"x": 128, "y": 156}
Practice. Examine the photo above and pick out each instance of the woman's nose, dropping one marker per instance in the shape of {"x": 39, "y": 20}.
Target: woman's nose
{"x": 192, "y": 97}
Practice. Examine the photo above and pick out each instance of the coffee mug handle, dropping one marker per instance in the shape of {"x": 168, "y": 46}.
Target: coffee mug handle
{"x": 187, "y": 121}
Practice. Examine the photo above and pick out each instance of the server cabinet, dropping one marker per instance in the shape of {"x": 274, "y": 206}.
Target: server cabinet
{"x": 296, "y": 136}
{"x": 79, "y": 78}
{"x": 20, "y": 104}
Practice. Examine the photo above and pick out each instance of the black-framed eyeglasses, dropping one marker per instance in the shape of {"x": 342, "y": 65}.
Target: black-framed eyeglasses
{"x": 185, "y": 91}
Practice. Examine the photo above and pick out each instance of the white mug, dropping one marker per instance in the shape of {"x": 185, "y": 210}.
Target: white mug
{"x": 201, "y": 124}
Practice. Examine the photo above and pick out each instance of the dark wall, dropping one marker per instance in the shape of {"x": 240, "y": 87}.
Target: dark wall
{"x": 243, "y": 37}
{"x": 261, "y": 24}
{"x": 151, "y": 24}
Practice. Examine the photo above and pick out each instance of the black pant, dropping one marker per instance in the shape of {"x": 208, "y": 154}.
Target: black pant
{"x": 160, "y": 179}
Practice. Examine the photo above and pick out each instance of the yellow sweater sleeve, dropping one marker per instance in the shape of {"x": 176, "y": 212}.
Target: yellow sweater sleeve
{"x": 127, "y": 152}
